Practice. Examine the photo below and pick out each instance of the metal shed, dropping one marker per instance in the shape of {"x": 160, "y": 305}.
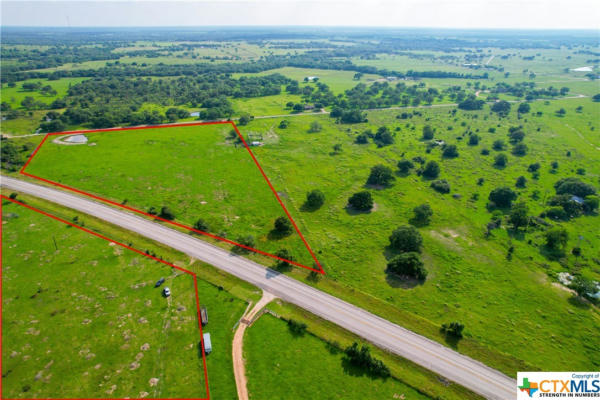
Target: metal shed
{"x": 206, "y": 342}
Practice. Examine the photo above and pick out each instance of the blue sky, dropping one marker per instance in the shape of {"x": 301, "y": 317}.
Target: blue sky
{"x": 522, "y": 14}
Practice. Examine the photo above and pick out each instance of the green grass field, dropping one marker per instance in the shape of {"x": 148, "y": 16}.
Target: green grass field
{"x": 124, "y": 310}
{"x": 81, "y": 317}
{"x": 197, "y": 171}
{"x": 283, "y": 365}
{"x": 14, "y": 96}
{"x": 470, "y": 278}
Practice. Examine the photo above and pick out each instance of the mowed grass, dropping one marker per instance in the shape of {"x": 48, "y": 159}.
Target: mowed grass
{"x": 81, "y": 317}
{"x": 197, "y": 171}
{"x": 511, "y": 308}
{"x": 283, "y": 365}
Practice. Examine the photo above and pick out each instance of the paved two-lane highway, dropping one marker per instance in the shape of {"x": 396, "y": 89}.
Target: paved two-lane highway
{"x": 427, "y": 353}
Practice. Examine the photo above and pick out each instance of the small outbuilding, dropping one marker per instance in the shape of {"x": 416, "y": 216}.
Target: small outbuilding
{"x": 206, "y": 343}
{"x": 577, "y": 199}
{"x": 204, "y": 315}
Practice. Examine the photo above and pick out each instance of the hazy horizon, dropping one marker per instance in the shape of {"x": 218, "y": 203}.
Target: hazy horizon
{"x": 425, "y": 14}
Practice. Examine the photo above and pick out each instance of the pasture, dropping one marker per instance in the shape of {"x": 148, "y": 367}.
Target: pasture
{"x": 198, "y": 172}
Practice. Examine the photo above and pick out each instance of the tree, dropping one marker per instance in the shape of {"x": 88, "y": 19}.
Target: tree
{"x": 521, "y": 182}
{"x": 284, "y": 124}
{"x": 166, "y": 213}
{"x": 590, "y": 204}
{"x": 473, "y": 140}
{"x": 423, "y": 214}
{"x": 383, "y": 137}
{"x": 404, "y": 166}
{"x": 361, "y": 357}
{"x": 524, "y": 108}
{"x": 201, "y": 225}
{"x": 450, "y": 151}
{"x": 315, "y": 199}
{"x": 408, "y": 264}
{"x": 245, "y": 119}
{"x": 286, "y": 257}
{"x": 454, "y": 329}
{"x": 381, "y": 175}
{"x": 519, "y": 149}
{"x": 500, "y": 160}
{"x": 502, "y": 196}
{"x": 427, "y": 132}
{"x": 574, "y": 186}
{"x": 362, "y": 139}
{"x": 518, "y": 215}
{"x": 498, "y": 145}
{"x": 315, "y": 126}
{"x": 431, "y": 170}
{"x": 283, "y": 226}
{"x": 299, "y": 328}
{"x": 596, "y": 97}
{"x": 361, "y": 201}
{"x": 502, "y": 108}
{"x": 556, "y": 238}
{"x": 247, "y": 241}
{"x": 440, "y": 186}
{"x": 406, "y": 238}
{"x": 471, "y": 103}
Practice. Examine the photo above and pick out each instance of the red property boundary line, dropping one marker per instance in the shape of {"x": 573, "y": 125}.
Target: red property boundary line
{"x": 320, "y": 268}
{"x": 122, "y": 245}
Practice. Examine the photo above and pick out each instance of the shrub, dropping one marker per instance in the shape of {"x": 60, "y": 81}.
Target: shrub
{"x": 166, "y": 213}
{"x": 556, "y": 238}
{"x": 521, "y": 182}
{"x": 454, "y": 329}
{"x": 405, "y": 239}
{"x": 315, "y": 199}
{"x": 431, "y": 170}
{"x": 501, "y": 160}
{"x": 450, "y": 151}
{"x": 524, "y": 108}
{"x": 518, "y": 215}
{"x": 533, "y": 167}
{"x": 246, "y": 241}
{"x": 502, "y": 196}
{"x": 361, "y": 201}
{"x": 286, "y": 255}
{"x": 201, "y": 225}
{"x": 383, "y": 137}
{"x": 297, "y": 327}
{"x": 473, "y": 140}
{"x": 520, "y": 149}
{"x": 284, "y": 124}
{"x": 283, "y": 226}
{"x": 404, "y": 166}
{"x": 485, "y": 152}
{"x": 408, "y": 264}
{"x": 361, "y": 357}
{"x": 427, "y": 132}
{"x": 381, "y": 175}
{"x": 498, "y": 145}
{"x": 362, "y": 139}
{"x": 556, "y": 213}
{"x": 315, "y": 126}
{"x": 441, "y": 186}
{"x": 423, "y": 213}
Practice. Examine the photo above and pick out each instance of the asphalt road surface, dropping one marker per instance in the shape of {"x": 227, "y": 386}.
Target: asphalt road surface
{"x": 382, "y": 333}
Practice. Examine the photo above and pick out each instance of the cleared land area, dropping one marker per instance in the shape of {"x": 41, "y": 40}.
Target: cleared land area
{"x": 198, "y": 172}
{"x": 282, "y": 364}
{"x": 81, "y": 316}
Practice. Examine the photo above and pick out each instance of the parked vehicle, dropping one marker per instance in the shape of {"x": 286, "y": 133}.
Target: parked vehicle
{"x": 159, "y": 282}
{"x": 204, "y": 315}
{"x": 207, "y": 343}
{"x": 166, "y": 292}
